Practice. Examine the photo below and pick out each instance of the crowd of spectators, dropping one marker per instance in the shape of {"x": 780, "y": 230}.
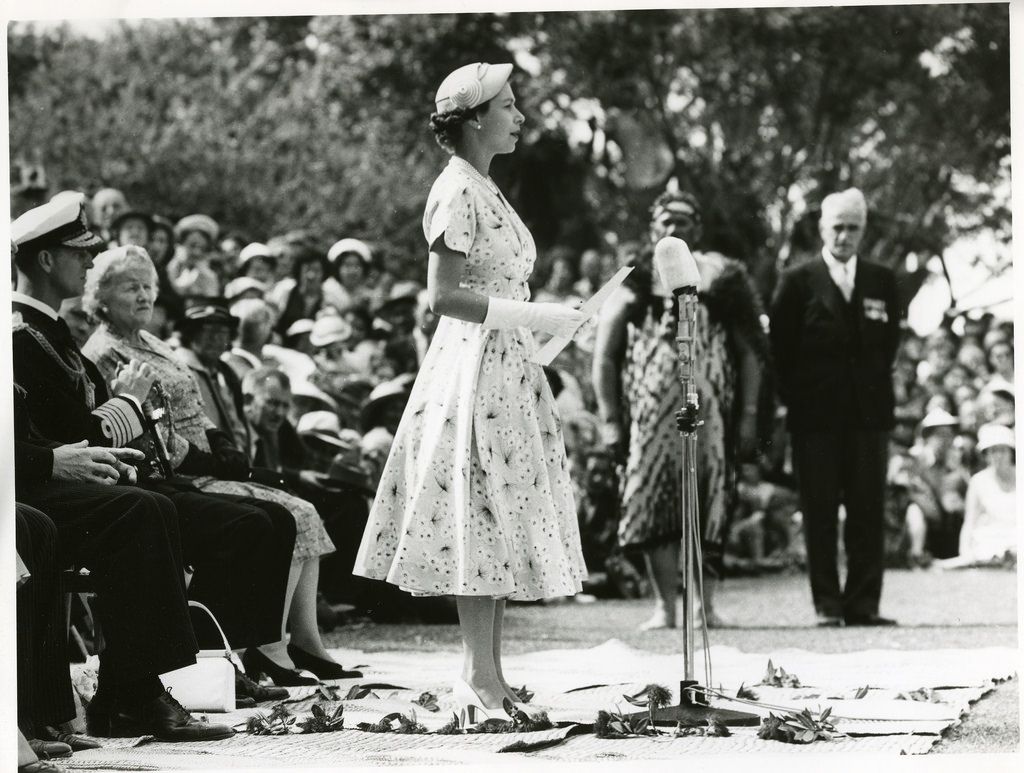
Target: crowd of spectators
{"x": 348, "y": 326}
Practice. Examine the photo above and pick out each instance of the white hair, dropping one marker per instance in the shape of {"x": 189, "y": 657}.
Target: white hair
{"x": 850, "y": 201}
{"x": 107, "y": 267}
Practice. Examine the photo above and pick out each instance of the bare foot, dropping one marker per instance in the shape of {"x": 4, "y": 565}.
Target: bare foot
{"x": 659, "y": 620}
{"x": 714, "y": 620}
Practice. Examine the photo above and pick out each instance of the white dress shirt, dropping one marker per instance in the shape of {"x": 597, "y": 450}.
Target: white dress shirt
{"x": 843, "y": 274}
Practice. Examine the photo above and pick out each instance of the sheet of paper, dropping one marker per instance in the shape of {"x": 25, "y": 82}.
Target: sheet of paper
{"x": 552, "y": 348}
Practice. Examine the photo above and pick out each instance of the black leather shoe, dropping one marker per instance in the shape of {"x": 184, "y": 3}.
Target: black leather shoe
{"x": 256, "y": 664}
{"x": 870, "y": 620}
{"x": 78, "y": 743}
{"x": 162, "y": 717}
{"x": 324, "y": 669}
{"x": 248, "y": 688}
{"x": 49, "y": 750}
{"x": 829, "y": 621}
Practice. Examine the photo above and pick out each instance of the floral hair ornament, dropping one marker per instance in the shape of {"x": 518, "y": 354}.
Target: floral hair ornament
{"x": 471, "y": 85}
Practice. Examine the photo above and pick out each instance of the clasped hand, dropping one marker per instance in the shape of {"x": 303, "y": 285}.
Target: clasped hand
{"x": 80, "y": 463}
{"x": 133, "y": 378}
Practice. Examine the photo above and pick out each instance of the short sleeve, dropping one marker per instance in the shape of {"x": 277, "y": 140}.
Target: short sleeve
{"x": 451, "y": 211}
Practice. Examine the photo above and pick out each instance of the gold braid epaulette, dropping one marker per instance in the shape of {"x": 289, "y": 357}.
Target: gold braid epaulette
{"x": 75, "y": 372}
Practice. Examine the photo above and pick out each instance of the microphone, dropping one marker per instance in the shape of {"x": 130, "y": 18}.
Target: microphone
{"x": 676, "y": 266}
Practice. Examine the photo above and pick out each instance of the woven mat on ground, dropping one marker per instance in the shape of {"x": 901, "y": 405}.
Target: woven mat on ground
{"x": 911, "y": 698}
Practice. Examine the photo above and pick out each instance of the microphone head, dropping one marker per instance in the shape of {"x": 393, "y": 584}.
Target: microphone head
{"x": 675, "y": 264}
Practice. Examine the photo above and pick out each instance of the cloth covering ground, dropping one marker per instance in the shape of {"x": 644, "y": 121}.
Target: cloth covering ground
{"x": 880, "y": 722}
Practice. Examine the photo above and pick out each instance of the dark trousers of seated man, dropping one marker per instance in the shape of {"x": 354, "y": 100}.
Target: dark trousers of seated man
{"x": 44, "y": 682}
{"x": 128, "y": 540}
{"x": 241, "y": 550}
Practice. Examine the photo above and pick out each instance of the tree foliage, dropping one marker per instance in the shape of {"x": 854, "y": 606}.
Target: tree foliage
{"x": 272, "y": 124}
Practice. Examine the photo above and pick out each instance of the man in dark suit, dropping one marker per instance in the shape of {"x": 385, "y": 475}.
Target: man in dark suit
{"x": 241, "y": 548}
{"x": 128, "y": 539}
{"x": 834, "y": 333}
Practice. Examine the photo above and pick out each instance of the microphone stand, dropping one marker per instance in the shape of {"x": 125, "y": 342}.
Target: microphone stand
{"x": 693, "y": 708}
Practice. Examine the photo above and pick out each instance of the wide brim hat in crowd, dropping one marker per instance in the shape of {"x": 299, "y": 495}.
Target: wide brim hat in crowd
{"x": 243, "y": 284}
{"x": 208, "y": 314}
{"x": 306, "y": 398}
{"x": 204, "y": 224}
{"x": 405, "y": 291}
{"x": 992, "y": 435}
{"x": 59, "y": 223}
{"x": 938, "y": 418}
{"x": 470, "y": 86}
{"x": 131, "y": 214}
{"x": 354, "y": 246}
{"x": 329, "y": 329}
{"x": 398, "y": 388}
{"x": 323, "y": 425}
{"x": 346, "y": 470}
{"x": 1001, "y": 387}
{"x": 255, "y": 250}
{"x": 299, "y": 327}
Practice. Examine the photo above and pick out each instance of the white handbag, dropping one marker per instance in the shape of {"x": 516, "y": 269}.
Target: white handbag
{"x": 208, "y": 684}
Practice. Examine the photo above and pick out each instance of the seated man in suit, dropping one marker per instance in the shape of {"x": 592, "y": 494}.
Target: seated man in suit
{"x": 341, "y": 498}
{"x": 128, "y": 539}
{"x": 241, "y": 548}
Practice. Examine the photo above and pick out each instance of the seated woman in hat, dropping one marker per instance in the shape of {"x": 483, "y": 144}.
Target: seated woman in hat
{"x": 257, "y": 261}
{"x": 989, "y": 533}
{"x": 347, "y": 285}
{"x": 303, "y": 298}
{"x": 120, "y": 290}
{"x": 189, "y": 271}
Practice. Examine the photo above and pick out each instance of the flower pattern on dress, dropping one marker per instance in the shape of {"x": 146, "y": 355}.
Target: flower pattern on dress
{"x": 108, "y": 350}
{"x": 475, "y": 497}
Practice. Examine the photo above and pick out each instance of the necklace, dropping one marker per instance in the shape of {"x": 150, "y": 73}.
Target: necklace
{"x": 480, "y": 177}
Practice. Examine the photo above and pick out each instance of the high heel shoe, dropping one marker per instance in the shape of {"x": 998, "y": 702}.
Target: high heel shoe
{"x": 471, "y": 707}
{"x": 324, "y": 669}
{"x": 256, "y": 664}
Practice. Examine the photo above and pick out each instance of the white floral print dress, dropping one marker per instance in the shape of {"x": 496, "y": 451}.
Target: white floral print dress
{"x": 475, "y": 497}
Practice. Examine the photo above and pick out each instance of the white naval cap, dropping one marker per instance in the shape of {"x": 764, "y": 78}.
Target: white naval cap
{"x": 60, "y": 222}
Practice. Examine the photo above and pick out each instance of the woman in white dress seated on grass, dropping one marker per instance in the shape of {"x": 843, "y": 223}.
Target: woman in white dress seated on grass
{"x": 989, "y": 533}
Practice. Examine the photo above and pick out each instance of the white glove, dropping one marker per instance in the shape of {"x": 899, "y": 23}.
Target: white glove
{"x": 552, "y": 318}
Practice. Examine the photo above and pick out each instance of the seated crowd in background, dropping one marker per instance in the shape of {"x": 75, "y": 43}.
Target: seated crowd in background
{"x": 349, "y": 331}
{"x": 285, "y": 366}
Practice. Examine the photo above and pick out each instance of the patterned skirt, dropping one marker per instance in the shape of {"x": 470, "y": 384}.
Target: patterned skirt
{"x": 311, "y": 538}
{"x": 652, "y": 481}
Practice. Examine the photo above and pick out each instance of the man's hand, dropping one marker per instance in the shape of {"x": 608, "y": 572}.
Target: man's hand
{"x": 125, "y": 461}
{"x": 135, "y": 379}
{"x": 613, "y": 440}
{"x": 309, "y": 477}
{"x": 78, "y": 463}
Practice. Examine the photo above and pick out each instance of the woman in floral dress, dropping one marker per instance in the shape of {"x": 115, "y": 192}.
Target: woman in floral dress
{"x": 636, "y": 379}
{"x": 475, "y": 499}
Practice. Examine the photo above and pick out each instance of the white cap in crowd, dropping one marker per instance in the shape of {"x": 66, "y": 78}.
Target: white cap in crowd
{"x": 991, "y": 435}
{"x": 355, "y": 246}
